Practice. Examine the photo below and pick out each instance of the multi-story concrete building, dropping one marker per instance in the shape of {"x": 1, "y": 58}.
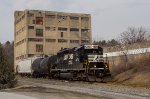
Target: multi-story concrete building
{"x": 45, "y": 32}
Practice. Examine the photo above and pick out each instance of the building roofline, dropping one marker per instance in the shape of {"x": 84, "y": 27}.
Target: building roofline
{"x": 86, "y": 14}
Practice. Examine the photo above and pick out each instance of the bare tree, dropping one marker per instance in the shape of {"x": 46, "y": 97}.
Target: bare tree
{"x": 134, "y": 35}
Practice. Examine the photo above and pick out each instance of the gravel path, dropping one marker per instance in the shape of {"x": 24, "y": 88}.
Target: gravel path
{"x": 103, "y": 90}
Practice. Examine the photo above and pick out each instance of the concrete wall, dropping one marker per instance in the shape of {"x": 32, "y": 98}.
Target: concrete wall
{"x": 117, "y": 55}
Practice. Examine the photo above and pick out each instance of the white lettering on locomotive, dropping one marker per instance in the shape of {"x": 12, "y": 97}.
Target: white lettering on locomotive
{"x": 94, "y": 58}
{"x": 70, "y": 56}
{"x": 65, "y": 57}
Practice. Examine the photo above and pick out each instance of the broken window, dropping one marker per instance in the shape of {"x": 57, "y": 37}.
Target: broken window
{"x": 39, "y": 20}
{"x": 39, "y": 48}
{"x": 39, "y": 32}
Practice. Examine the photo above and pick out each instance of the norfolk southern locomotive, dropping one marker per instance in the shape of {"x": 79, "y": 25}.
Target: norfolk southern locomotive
{"x": 85, "y": 62}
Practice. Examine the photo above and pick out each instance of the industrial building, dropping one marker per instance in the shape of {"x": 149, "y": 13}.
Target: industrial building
{"x": 39, "y": 32}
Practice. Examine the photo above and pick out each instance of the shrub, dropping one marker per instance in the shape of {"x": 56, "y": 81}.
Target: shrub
{"x": 7, "y": 77}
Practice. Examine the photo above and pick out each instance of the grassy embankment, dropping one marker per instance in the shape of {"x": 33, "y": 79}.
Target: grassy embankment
{"x": 135, "y": 73}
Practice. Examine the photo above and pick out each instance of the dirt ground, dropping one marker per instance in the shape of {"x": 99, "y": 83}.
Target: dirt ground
{"x": 47, "y": 93}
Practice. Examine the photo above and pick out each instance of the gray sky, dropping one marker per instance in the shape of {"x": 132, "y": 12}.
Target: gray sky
{"x": 109, "y": 17}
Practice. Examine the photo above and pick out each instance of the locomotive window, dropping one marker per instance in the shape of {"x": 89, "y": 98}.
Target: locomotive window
{"x": 91, "y": 51}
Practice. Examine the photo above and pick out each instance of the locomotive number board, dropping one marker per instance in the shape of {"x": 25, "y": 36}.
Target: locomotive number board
{"x": 90, "y": 46}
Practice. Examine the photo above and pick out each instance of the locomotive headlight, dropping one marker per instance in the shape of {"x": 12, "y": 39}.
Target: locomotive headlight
{"x": 95, "y": 66}
{"x": 106, "y": 66}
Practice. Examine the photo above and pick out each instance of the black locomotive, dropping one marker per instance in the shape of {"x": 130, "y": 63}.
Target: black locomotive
{"x": 82, "y": 63}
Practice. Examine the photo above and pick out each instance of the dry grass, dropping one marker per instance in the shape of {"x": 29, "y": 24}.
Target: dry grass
{"x": 136, "y": 72}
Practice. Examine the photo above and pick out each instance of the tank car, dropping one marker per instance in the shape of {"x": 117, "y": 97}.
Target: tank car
{"x": 37, "y": 69}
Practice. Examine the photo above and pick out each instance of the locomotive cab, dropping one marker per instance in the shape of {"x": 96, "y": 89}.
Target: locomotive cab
{"x": 92, "y": 58}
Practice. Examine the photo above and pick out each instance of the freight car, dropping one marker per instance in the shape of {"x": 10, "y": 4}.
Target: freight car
{"x": 30, "y": 67}
{"x": 85, "y": 62}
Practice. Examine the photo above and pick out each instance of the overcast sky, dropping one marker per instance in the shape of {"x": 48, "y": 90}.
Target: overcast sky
{"x": 109, "y": 17}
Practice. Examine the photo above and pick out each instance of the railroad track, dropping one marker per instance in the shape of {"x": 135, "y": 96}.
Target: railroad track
{"x": 97, "y": 89}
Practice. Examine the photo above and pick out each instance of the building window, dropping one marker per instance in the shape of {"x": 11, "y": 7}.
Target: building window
{"x": 74, "y": 30}
{"x": 39, "y": 20}
{"x": 33, "y": 21}
{"x": 50, "y": 40}
{"x": 62, "y": 17}
{"x": 74, "y": 18}
{"x": 39, "y": 32}
{"x": 61, "y": 48}
{"x": 50, "y": 16}
{"x": 62, "y": 34}
{"x": 23, "y": 16}
{"x": 62, "y": 29}
{"x": 30, "y": 27}
{"x": 39, "y": 48}
{"x": 74, "y": 41}
{"x": 84, "y": 41}
{"x": 85, "y": 18}
{"x": 50, "y": 28}
{"x": 30, "y": 14}
{"x": 35, "y": 39}
{"x": 62, "y": 40}
{"x": 85, "y": 30}
{"x": 23, "y": 28}
{"x": 30, "y": 55}
{"x": 20, "y": 42}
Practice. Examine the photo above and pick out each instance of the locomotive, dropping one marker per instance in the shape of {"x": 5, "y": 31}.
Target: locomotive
{"x": 85, "y": 62}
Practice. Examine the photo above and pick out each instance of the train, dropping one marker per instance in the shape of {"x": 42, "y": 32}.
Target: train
{"x": 85, "y": 62}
